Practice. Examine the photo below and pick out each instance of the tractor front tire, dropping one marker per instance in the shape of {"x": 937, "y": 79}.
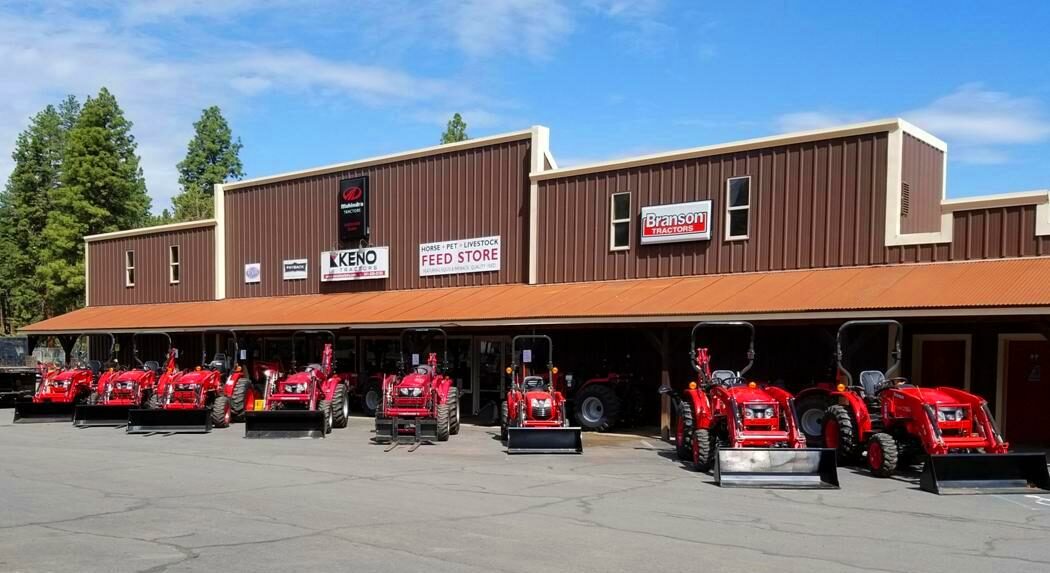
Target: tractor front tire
{"x": 453, "y": 411}
{"x": 504, "y": 420}
{"x": 442, "y": 422}
{"x": 704, "y": 449}
{"x": 371, "y": 397}
{"x": 684, "y": 433}
{"x": 220, "y": 411}
{"x": 840, "y": 433}
{"x": 92, "y": 399}
{"x": 340, "y": 407}
{"x": 154, "y": 402}
{"x": 326, "y": 409}
{"x": 597, "y": 408}
{"x": 883, "y": 454}
{"x": 240, "y": 398}
{"x": 810, "y": 412}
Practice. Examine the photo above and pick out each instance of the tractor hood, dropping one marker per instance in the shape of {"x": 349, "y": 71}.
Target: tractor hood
{"x": 64, "y": 375}
{"x": 537, "y": 395}
{"x": 743, "y": 393}
{"x": 413, "y": 380}
{"x": 196, "y": 376}
{"x": 133, "y": 375}
{"x": 930, "y": 396}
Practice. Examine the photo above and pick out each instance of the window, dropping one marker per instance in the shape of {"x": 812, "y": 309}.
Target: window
{"x": 173, "y": 264}
{"x": 620, "y": 226}
{"x": 129, "y": 268}
{"x": 738, "y": 205}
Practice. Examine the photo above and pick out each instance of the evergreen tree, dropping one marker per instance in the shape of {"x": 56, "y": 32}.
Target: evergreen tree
{"x": 25, "y": 203}
{"x": 212, "y": 157}
{"x": 102, "y": 189}
{"x": 456, "y": 130}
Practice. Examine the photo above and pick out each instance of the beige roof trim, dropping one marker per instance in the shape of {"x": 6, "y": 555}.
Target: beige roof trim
{"x": 150, "y": 230}
{"x": 381, "y": 159}
{"x": 1036, "y": 197}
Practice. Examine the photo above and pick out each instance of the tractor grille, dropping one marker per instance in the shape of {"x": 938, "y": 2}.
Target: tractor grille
{"x": 541, "y": 412}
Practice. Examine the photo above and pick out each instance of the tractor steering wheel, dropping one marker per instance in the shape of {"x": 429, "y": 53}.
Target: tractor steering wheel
{"x": 895, "y": 382}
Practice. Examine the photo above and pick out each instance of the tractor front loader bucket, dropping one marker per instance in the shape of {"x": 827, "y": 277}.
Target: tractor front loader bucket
{"x": 160, "y": 421}
{"x": 99, "y": 416}
{"x": 787, "y": 468}
{"x": 35, "y": 412}
{"x": 985, "y": 473}
{"x": 406, "y": 430}
{"x": 544, "y": 441}
{"x": 284, "y": 424}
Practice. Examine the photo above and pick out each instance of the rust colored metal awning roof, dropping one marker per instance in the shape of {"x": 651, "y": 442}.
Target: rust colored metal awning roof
{"x": 1014, "y": 286}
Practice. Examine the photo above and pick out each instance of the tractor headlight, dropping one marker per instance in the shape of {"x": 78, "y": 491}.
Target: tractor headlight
{"x": 540, "y": 402}
{"x": 951, "y": 414}
{"x": 759, "y": 412}
{"x": 410, "y": 392}
{"x": 294, "y": 388}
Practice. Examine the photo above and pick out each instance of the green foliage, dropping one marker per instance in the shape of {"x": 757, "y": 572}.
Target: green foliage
{"x": 212, "y": 157}
{"x": 102, "y": 189}
{"x": 24, "y": 206}
{"x": 456, "y": 130}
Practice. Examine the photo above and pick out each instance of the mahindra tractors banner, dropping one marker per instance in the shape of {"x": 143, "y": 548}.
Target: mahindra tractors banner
{"x": 355, "y": 264}
{"x": 676, "y": 222}
{"x": 353, "y": 209}
{"x": 456, "y": 257}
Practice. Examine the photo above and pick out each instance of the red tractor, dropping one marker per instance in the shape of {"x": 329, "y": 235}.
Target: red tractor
{"x": 899, "y": 424}
{"x": 421, "y": 405}
{"x": 192, "y": 401}
{"x": 123, "y": 390}
{"x": 745, "y": 431}
{"x": 305, "y": 403}
{"x": 61, "y": 390}
{"x": 533, "y": 418}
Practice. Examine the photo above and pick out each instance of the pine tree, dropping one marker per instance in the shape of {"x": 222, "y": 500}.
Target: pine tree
{"x": 102, "y": 189}
{"x": 24, "y": 206}
{"x": 456, "y": 130}
{"x": 212, "y": 157}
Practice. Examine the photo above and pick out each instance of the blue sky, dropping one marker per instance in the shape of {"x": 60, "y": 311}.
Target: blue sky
{"x": 343, "y": 80}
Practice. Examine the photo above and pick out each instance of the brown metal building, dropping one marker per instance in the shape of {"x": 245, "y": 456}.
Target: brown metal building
{"x": 489, "y": 238}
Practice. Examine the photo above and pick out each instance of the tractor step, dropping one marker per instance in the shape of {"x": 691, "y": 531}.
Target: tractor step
{"x": 40, "y": 412}
{"x": 284, "y": 424}
{"x": 405, "y": 430}
{"x": 100, "y": 416}
{"x": 985, "y": 473}
{"x": 160, "y": 421}
{"x": 544, "y": 441}
{"x": 786, "y": 468}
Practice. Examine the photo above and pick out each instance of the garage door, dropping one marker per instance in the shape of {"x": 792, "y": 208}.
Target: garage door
{"x": 1027, "y": 392}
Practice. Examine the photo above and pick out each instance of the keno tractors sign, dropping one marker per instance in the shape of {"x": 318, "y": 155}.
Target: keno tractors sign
{"x": 355, "y": 264}
{"x": 677, "y": 222}
{"x": 455, "y": 257}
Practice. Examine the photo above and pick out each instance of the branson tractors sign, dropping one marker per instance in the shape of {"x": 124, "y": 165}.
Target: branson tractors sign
{"x": 454, "y": 257}
{"x": 676, "y": 222}
{"x": 355, "y": 264}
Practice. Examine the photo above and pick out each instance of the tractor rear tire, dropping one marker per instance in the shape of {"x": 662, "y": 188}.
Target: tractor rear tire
{"x": 326, "y": 408}
{"x": 442, "y": 422}
{"x": 597, "y": 408}
{"x": 840, "y": 433}
{"x": 220, "y": 411}
{"x": 239, "y": 399}
{"x": 340, "y": 407}
{"x": 504, "y": 420}
{"x": 453, "y": 411}
{"x": 704, "y": 449}
{"x": 93, "y": 399}
{"x": 810, "y": 412}
{"x": 883, "y": 454}
{"x": 372, "y": 392}
{"x": 684, "y": 431}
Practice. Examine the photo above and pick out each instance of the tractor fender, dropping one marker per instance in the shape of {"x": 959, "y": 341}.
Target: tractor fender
{"x": 703, "y": 414}
{"x": 329, "y": 385}
{"x": 441, "y": 386}
{"x": 231, "y": 383}
{"x": 857, "y": 409}
{"x": 513, "y": 397}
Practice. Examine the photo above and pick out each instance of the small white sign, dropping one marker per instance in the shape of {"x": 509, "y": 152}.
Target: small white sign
{"x": 526, "y": 356}
{"x": 415, "y": 359}
{"x": 252, "y": 272}
{"x": 244, "y": 354}
{"x": 294, "y": 269}
{"x": 676, "y": 222}
{"x": 457, "y": 257}
{"x": 355, "y": 264}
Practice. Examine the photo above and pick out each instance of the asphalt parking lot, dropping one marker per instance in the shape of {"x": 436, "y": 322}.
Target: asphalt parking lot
{"x": 99, "y": 500}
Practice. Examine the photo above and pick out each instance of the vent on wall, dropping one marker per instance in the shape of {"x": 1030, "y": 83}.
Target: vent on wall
{"x": 905, "y": 199}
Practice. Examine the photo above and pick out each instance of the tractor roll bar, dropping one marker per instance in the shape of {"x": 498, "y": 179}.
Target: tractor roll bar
{"x": 135, "y": 346}
{"x": 898, "y": 330}
{"x": 544, "y": 337}
{"x": 306, "y": 333}
{"x": 435, "y": 329}
{"x": 233, "y": 338}
{"x": 726, "y": 324}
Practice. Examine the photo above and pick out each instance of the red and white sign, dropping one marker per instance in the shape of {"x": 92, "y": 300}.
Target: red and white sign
{"x": 455, "y": 257}
{"x": 676, "y": 222}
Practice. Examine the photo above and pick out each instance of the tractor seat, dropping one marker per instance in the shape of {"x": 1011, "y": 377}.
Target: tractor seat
{"x": 315, "y": 367}
{"x": 723, "y": 376}
{"x": 534, "y": 383}
{"x": 151, "y": 365}
{"x": 872, "y": 381}
{"x": 218, "y": 362}
{"x": 424, "y": 369}
{"x": 95, "y": 366}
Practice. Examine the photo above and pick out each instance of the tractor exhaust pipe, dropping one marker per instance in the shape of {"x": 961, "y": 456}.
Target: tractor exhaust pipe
{"x": 189, "y": 421}
{"x": 985, "y": 473}
{"x": 284, "y": 424}
{"x": 544, "y": 441}
{"x": 40, "y": 412}
{"x": 785, "y": 468}
{"x": 100, "y": 416}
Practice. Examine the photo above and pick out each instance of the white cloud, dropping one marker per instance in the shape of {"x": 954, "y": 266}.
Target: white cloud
{"x": 483, "y": 28}
{"x": 975, "y": 115}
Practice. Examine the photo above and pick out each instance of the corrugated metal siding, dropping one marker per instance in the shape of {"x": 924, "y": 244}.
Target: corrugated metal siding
{"x": 196, "y": 279}
{"x": 460, "y": 195}
{"x": 812, "y": 205}
{"x": 922, "y": 170}
{"x": 1003, "y": 232}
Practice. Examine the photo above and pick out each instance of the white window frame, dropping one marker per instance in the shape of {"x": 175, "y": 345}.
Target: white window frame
{"x": 613, "y": 221}
{"x": 174, "y": 264}
{"x": 728, "y": 234}
{"x": 129, "y": 268}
